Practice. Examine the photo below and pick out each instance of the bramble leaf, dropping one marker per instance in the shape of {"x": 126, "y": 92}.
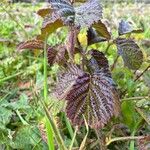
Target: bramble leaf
{"x": 102, "y": 30}
{"x": 130, "y": 52}
{"x": 31, "y": 44}
{"x": 126, "y": 27}
{"x": 88, "y": 13}
{"x": 56, "y": 55}
{"x": 50, "y": 25}
{"x": 64, "y": 9}
{"x": 92, "y": 95}
{"x": 93, "y": 38}
{"x": 99, "y": 62}
{"x": 44, "y": 12}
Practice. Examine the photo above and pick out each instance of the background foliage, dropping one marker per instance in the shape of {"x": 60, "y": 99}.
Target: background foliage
{"x": 22, "y": 119}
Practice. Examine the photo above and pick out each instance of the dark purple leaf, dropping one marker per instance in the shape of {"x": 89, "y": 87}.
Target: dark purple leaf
{"x": 88, "y": 13}
{"x": 126, "y": 27}
{"x": 130, "y": 52}
{"x": 31, "y": 44}
{"x": 93, "y": 38}
{"x": 92, "y": 95}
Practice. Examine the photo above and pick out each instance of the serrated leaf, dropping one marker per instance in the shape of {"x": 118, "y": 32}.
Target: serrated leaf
{"x": 99, "y": 62}
{"x": 50, "y": 24}
{"x": 44, "y": 12}
{"x": 5, "y": 115}
{"x": 31, "y": 44}
{"x": 88, "y": 13}
{"x": 126, "y": 27}
{"x": 130, "y": 52}
{"x": 92, "y": 95}
{"x": 102, "y": 30}
{"x": 56, "y": 55}
{"x": 93, "y": 38}
{"x": 64, "y": 9}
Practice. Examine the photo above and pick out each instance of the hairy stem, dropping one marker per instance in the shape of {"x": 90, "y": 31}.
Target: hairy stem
{"x": 138, "y": 77}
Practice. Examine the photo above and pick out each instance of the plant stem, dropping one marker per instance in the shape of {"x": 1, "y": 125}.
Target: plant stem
{"x": 70, "y": 130}
{"x": 101, "y": 140}
{"x": 45, "y": 73}
{"x": 124, "y": 138}
{"x": 10, "y": 77}
{"x": 73, "y": 138}
{"x": 54, "y": 127}
{"x": 107, "y": 48}
{"x": 49, "y": 117}
{"x": 142, "y": 73}
{"x": 115, "y": 62}
{"x": 135, "y": 98}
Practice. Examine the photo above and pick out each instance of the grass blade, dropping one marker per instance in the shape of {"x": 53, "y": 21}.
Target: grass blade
{"x": 70, "y": 130}
{"x": 85, "y": 138}
{"x": 73, "y": 138}
{"x": 49, "y": 117}
{"x": 49, "y": 132}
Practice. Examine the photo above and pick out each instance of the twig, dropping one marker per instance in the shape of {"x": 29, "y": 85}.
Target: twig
{"x": 124, "y": 138}
{"x": 138, "y": 77}
{"x": 141, "y": 73}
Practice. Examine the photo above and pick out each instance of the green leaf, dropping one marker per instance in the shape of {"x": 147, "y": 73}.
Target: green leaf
{"x": 5, "y": 116}
{"x": 22, "y": 103}
{"x": 130, "y": 52}
{"x": 102, "y": 30}
{"x": 129, "y": 114}
{"x": 22, "y": 138}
